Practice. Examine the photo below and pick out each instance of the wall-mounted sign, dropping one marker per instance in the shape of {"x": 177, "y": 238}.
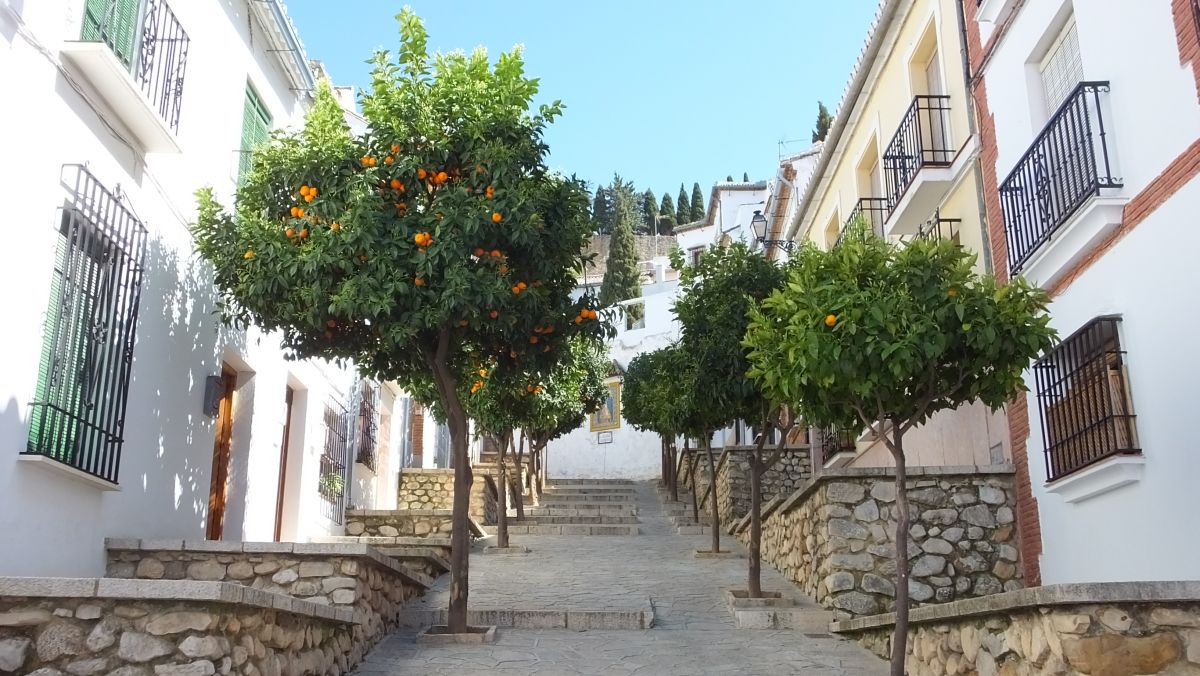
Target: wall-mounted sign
{"x": 604, "y": 438}
{"x": 609, "y": 415}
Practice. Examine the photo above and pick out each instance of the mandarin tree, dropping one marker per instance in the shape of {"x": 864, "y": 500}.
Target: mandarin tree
{"x": 417, "y": 249}
{"x": 713, "y": 309}
{"x": 873, "y": 335}
{"x": 652, "y": 402}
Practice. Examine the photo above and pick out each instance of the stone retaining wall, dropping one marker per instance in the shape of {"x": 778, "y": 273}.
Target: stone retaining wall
{"x": 340, "y": 575}
{"x": 835, "y": 537}
{"x": 399, "y": 523}
{"x": 426, "y": 489}
{"x": 789, "y": 473}
{"x": 1106, "y": 629}
{"x": 87, "y": 627}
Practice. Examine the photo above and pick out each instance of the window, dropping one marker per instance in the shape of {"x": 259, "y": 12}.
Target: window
{"x": 694, "y": 254}
{"x": 366, "y": 426}
{"x": 256, "y": 130}
{"x": 115, "y": 23}
{"x": 1062, "y": 68}
{"x": 1082, "y": 392}
{"x": 78, "y": 410}
{"x": 331, "y": 485}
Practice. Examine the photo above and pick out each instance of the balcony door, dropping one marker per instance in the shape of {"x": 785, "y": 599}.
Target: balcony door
{"x": 115, "y": 23}
{"x": 935, "y": 123}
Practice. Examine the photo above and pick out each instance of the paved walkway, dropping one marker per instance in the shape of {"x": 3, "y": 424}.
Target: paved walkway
{"x": 693, "y": 631}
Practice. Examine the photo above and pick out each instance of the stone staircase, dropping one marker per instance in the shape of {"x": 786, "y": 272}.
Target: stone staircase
{"x": 581, "y": 507}
{"x": 680, "y": 514}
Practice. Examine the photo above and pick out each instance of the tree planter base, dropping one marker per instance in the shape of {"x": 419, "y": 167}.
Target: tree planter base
{"x": 723, "y": 554}
{"x": 740, "y": 599}
{"x": 439, "y": 634}
{"x": 508, "y": 551}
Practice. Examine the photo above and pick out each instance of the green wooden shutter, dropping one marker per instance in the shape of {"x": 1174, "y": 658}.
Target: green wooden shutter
{"x": 256, "y": 129}
{"x": 114, "y": 22}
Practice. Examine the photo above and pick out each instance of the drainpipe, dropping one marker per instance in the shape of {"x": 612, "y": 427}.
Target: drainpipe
{"x": 973, "y": 127}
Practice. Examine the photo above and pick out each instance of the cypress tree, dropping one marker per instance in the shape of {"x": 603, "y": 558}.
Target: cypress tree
{"x": 683, "y": 212}
{"x": 729, "y": 178}
{"x": 697, "y": 202}
{"x": 649, "y": 213}
{"x": 745, "y": 177}
{"x": 824, "y": 119}
{"x": 621, "y": 278}
{"x": 666, "y": 214}
{"x": 602, "y": 211}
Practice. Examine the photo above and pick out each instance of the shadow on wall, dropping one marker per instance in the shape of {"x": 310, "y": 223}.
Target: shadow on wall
{"x": 167, "y": 456}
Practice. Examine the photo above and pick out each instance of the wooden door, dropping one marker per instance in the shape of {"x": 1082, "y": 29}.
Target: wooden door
{"x": 218, "y": 493}
{"x": 283, "y": 461}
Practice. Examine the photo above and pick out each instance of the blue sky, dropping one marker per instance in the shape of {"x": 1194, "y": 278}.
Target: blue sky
{"x": 660, "y": 91}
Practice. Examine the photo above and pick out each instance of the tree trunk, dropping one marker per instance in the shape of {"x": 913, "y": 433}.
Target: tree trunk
{"x": 521, "y": 473}
{"x": 673, "y": 459}
{"x": 540, "y": 483}
{"x": 662, "y": 461}
{"x": 756, "y": 472}
{"x": 691, "y": 458}
{"x": 460, "y": 534}
{"x": 502, "y": 492}
{"x": 900, "y": 637}
{"x": 715, "y": 524}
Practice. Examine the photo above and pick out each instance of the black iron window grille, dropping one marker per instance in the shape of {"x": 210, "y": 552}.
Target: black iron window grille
{"x": 872, "y": 210}
{"x": 335, "y": 462}
{"x": 149, "y": 41}
{"x": 1196, "y": 15}
{"x": 1067, "y": 165}
{"x": 1082, "y": 392}
{"x": 938, "y": 228}
{"x": 922, "y": 140}
{"x": 366, "y": 425}
{"x": 78, "y": 412}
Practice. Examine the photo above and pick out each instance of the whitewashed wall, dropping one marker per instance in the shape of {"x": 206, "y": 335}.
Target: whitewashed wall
{"x": 53, "y": 524}
{"x": 1143, "y": 530}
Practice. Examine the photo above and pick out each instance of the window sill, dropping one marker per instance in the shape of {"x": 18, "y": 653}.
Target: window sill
{"x": 61, "y": 469}
{"x": 994, "y": 11}
{"x": 1100, "y": 478}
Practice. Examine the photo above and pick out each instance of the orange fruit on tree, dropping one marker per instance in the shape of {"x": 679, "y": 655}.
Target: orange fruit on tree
{"x": 299, "y": 212}
{"x": 421, "y": 174}
{"x": 395, "y": 148}
{"x": 312, "y": 192}
{"x": 952, "y": 292}
{"x": 293, "y": 211}
{"x": 396, "y": 184}
{"x": 389, "y": 159}
{"x": 303, "y": 233}
{"x": 490, "y": 192}
{"x": 249, "y": 255}
{"x": 516, "y": 290}
{"x": 830, "y": 320}
{"x": 478, "y": 168}
{"x": 482, "y": 373}
{"x": 290, "y": 232}
{"x": 503, "y": 269}
{"x": 304, "y": 191}
{"x": 496, "y": 217}
{"x": 335, "y": 226}
{"x": 533, "y": 340}
{"x": 441, "y": 177}
{"x": 419, "y": 281}
{"x": 479, "y": 252}
{"x": 495, "y": 253}
{"x": 494, "y": 313}
{"x": 522, "y": 285}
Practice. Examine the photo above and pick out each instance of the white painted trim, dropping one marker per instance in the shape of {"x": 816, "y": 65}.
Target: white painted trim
{"x": 936, "y": 181}
{"x": 1074, "y": 239}
{"x": 52, "y": 465}
{"x": 994, "y": 11}
{"x": 1100, "y": 478}
{"x": 96, "y": 63}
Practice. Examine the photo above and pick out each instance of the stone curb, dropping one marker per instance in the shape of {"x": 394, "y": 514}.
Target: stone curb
{"x": 624, "y": 620}
{"x": 171, "y": 590}
{"x": 912, "y": 473}
{"x": 1034, "y": 597}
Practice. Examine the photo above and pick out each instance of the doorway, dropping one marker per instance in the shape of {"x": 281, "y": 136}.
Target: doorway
{"x": 218, "y": 492}
{"x": 283, "y": 462}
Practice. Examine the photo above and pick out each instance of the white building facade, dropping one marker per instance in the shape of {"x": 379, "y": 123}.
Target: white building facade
{"x": 1092, "y": 118}
{"x": 126, "y": 408}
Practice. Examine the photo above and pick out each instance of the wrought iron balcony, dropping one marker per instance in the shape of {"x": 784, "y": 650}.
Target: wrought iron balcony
{"x": 873, "y": 210}
{"x": 1067, "y": 165}
{"x": 939, "y": 228}
{"x": 149, "y": 43}
{"x": 922, "y": 140}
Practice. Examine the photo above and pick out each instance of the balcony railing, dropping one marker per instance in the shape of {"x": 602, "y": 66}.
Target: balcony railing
{"x": 1087, "y": 414}
{"x": 938, "y": 228}
{"x": 1067, "y": 165}
{"x": 873, "y": 210}
{"x": 922, "y": 140}
{"x": 154, "y": 50}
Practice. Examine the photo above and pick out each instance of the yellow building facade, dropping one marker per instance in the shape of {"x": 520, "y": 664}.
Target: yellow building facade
{"x": 902, "y": 154}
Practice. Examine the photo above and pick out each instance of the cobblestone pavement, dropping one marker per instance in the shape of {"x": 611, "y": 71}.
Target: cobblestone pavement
{"x": 693, "y": 631}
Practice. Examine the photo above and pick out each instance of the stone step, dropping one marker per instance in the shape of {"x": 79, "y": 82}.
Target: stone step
{"x": 693, "y": 530}
{"x": 608, "y": 510}
{"x": 551, "y": 520}
{"x": 589, "y": 490}
{"x": 600, "y": 496}
{"x": 436, "y": 555}
{"x": 587, "y": 500}
{"x": 380, "y": 541}
{"x": 570, "y": 529}
{"x": 579, "y": 620}
{"x": 616, "y": 482}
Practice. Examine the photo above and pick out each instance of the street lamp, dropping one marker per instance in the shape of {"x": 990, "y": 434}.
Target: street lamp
{"x": 759, "y": 225}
